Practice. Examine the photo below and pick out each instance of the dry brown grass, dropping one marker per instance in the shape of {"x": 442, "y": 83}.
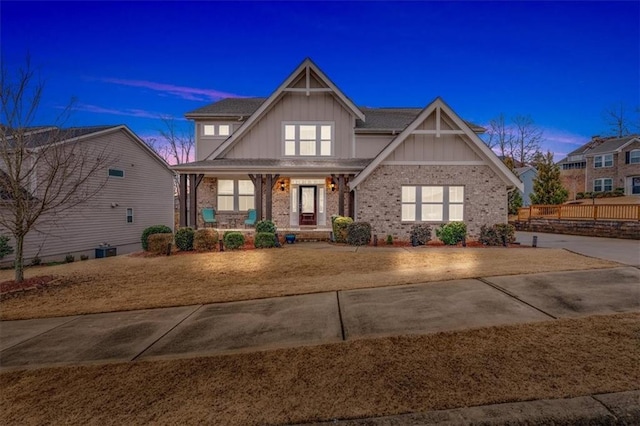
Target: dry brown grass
{"x": 127, "y": 283}
{"x": 559, "y": 359}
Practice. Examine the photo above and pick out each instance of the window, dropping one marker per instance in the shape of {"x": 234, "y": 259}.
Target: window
{"x": 235, "y": 195}
{"x": 604, "y": 184}
{"x": 129, "y": 215}
{"x": 572, "y": 166}
{"x": 635, "y": 185}
{"x": 634, "y": 156}
{"x": 432, "y": 203}
{"x": 605, "y": 160}
{"x": 308, "y": 139}
{"x": 116, "y": 173}
{"x": 216, "y": 130}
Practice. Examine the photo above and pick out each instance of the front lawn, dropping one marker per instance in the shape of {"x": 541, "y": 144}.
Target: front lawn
{"x": 130, "y": 282}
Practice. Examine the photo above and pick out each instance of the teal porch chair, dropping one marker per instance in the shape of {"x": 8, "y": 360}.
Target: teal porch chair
{"x": 251, "y": 218}
{"x": 209, "y": 216}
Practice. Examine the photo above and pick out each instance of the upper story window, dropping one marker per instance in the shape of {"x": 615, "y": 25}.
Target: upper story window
{"x": 633, "y": 157}
{"x": 432, "y": 203}
{"x": 605, "y": 160}
{"x": 308, "y": 139}
{"x": 116, "y": 173}
{"x": 216, "y": 130}
{"x": 572, "y": 166}
{"x": 235, "y": 195}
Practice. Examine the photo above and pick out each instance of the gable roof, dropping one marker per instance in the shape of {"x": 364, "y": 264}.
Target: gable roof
{"x": 231, "y": 107}
{"x": 598, "y": 145}
{"x": 307, "y": 65}
{"x": 522, "y": 170}
{"x": 481, "y": 148}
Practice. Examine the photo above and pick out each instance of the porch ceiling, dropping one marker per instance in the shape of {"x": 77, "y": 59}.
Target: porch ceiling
{"x": 303, "y": 167}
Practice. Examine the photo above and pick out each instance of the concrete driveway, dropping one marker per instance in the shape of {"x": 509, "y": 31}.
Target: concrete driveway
{"x": 616, "y": 249}
{"x": 317, "y": 318}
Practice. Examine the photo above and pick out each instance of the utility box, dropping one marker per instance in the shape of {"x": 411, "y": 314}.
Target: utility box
{"x": 106, "y": 252}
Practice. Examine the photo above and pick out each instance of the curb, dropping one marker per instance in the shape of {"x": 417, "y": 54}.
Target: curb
{"x": 621, "y": 408}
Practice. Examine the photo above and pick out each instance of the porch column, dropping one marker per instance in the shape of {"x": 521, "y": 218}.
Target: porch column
{"x": 182, "y": 200}
{"x": 269, "y": 193}
{"x": 258, "y": 184}
{"x": 193, "y": 202}
{"x": 352, "y": 201}
{"x": 341, "y": 195}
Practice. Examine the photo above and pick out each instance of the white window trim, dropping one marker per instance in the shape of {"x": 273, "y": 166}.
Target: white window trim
{"x": 236, "y": 196}
{"x": 127, "y": 216}
{"x": 602, "y": 161}
{"x": 445, "y": 203}
{"x": 297, "y": 125}
{"x": 216, "y": 130}
{"x": 631, "y": 154}
{"x": 602, "y": 185}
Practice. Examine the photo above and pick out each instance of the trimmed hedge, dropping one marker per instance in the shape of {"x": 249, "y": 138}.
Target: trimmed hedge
{"x": 184, "y": 239}
{"x": 205, "y": 239}
{"x": 154, "y": 229}
{"x": 340, "y": 225}
{"x": 233, "y": 240}
{"x": 5, "y": 248}
{"x": 452, "y": 233}
{"x": 158, "y": 243}
{"x": 265, "y": 240}
{"x": 359, "y": 233}
{"x": 420, "y": 234}
{"x": 266, "y": 226}
{"x": 494, "y": 235}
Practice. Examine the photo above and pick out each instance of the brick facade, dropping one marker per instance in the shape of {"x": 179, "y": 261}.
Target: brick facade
{"x": 619, "y": 172}
{"x": 378, "y": 199}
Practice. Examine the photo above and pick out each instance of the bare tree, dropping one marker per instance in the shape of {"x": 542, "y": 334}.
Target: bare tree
{"x": 44, "y": 171}
{"x": 620, "y": 121}
{"x": 500, "y": 136}
{"x": 527, "y": 139}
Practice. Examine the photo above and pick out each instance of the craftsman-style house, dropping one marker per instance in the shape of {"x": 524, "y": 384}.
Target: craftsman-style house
{"x": 307, "y": 152}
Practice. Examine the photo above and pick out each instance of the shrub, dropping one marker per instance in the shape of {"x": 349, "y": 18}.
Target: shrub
{"x": 359, "y": 233}
{"x": 184, "y": 239}
{"x": 36, "y": 261}
{"x": 266, "y": 226}
{"x": 389, "y": 239}
{"x": 579, "y": 195}
{"x": 159, "y": 243}
{"x": 618, "y": 192}
{"x": 155, "y": 229}
{"x": 496, "y": 234}
{"x": 205, "y": 239}
{"x": 340, "y": 225}
{"x": 265, "y": 240}
{"x": 233, "y": 240}
{"x": 5, "y": 248}
{"x": 84, "y": 257}
{"x": 69, "y": 258}
{"x": 452, "y": 233}
{"x": 420, "y": 234}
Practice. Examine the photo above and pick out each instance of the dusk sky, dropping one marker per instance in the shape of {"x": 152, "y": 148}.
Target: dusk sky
{"x": 128, "y": 63}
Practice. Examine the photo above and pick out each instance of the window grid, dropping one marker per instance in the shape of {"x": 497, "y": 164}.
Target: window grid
{"x": 308, "y": 139}
{"x": 432, "y": 203}
{"x": 634, "y": 156}
{"x": 605, "y": 160}
{"x": 604, "y": 184}
{"x": 129, "y": 215}
{"x": 235, "y": 195}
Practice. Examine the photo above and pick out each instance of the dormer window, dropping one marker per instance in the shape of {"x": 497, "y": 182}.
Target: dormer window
{"x": 216, "y": 130}
{"x": 308, "y": 139}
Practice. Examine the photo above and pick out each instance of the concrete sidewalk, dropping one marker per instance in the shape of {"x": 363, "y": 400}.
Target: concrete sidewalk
{"x": 319, "y": 318}
{"x": 616, "y": 249}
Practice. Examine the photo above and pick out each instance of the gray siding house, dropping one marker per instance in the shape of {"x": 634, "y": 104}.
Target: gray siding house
{"x": 137, "y": 192}
{"x": 307, "y": 152}
{"x": 526, "y": 174}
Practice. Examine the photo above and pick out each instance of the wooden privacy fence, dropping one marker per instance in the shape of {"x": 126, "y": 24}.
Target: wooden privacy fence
{"x": 582, "y": 211}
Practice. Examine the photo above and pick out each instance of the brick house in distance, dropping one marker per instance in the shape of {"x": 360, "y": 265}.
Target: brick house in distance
{"x": 307, "y": 152}
{"x": 603, "y": 164}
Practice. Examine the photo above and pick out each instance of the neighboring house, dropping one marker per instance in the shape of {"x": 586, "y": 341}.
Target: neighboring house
{"x": 307, "y": 152}
{"x": 138, "y": 192}
{"x": 603, "y": 164}
{"x": 527, "y": 174}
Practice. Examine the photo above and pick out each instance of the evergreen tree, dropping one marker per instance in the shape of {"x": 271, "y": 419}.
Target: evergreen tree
{"x": 515, "y": 201}
{"x": 547, "y": 187}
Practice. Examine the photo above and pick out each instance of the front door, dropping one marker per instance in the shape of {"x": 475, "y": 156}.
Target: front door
{"x": 307, "y": 203}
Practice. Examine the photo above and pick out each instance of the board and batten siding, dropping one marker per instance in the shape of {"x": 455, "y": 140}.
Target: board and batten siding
{"x": 205, "y": 145}
{"x": 431, "y": 148}
{"x": 369, "y": 146}
{"x": 265, "y": 139}
{"x": 147, "y": 187}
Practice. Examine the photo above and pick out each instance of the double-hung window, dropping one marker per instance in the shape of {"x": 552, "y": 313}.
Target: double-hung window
{"x": 634, "y": 157}
{"x": 432, "y": 203}
{"x": 235, "y": 195}
{"x": 604, "y": 184}
{"x": 308, "y": 140}
{"x": 605, "y": 160}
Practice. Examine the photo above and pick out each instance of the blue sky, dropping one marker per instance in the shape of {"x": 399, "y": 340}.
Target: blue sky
{"x": 562, "y": 63}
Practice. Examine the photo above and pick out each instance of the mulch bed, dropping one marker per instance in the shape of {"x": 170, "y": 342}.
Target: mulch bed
{"x": 32, "y": 283}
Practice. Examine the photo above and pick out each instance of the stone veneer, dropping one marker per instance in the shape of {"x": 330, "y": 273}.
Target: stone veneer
{"x": 378, "y": 197}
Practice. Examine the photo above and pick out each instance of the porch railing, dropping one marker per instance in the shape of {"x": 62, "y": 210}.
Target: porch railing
{"x": 581, "y": 211}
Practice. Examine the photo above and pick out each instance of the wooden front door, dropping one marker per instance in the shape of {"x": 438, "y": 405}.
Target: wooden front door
{"x": 308, "y": 203}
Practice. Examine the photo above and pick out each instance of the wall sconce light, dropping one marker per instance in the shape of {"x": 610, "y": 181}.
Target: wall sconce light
{"x": 283, "y": 185}
{"x": 332, "y": 185}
